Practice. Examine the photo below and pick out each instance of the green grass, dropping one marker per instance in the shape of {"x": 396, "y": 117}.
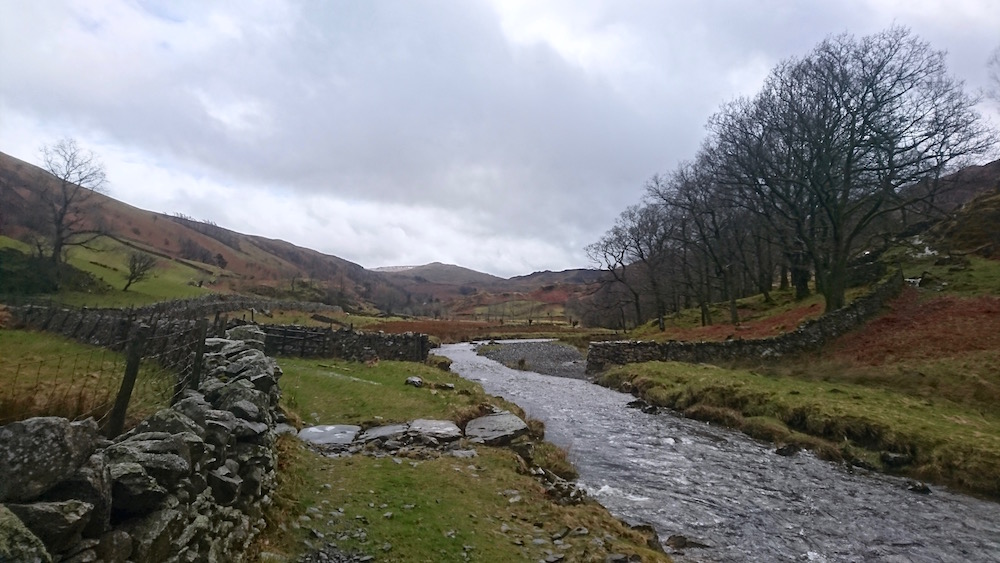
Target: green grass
{"x": 443, "y": 509}
{"x": 333, "y": 391}
{"x": 950, "y": 443}
{"x": 107, "y": 262}
{"x": 966, "y": 276}
{"x": 47, "y": 375}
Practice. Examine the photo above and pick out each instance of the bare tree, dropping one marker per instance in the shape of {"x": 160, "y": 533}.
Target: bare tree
{"x": 140, "y": 267}
{"x": 993, "y": 67}
{"x": 78, "y": 176}
{"x": 828, "y": 146}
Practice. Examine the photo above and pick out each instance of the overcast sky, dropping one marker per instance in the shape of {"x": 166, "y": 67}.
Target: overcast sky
{"x": 502, "y": 136}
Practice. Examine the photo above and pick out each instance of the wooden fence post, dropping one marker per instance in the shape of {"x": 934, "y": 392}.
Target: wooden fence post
{"x": 201, "y": 328}
{"x": 116, "y": 422}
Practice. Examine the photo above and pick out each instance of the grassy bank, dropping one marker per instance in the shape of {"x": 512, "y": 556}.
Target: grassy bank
{"x": 485, "y": 508}
{"x": 936, "y": 440}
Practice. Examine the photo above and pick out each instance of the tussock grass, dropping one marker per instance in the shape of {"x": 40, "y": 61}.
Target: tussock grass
{"x": 949, "y": 443}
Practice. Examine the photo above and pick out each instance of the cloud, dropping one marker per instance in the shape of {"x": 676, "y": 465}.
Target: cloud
{"x": 501, "y": 135}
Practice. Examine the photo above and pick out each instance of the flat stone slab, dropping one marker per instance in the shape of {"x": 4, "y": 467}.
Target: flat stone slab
{"x": 441, "y": 430}
{"x": 390, "y": 432}
{"x": 331, "y": 435}
{"x": 495, "y": 429}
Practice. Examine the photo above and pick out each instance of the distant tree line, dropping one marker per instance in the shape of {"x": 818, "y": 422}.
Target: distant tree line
{"x": 817, "y": 171}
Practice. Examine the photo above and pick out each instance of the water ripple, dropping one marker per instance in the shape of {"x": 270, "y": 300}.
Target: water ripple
{"x": 734, "y": 494}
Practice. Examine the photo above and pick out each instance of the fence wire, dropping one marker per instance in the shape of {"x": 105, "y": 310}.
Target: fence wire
{"x": 86, "y": 384}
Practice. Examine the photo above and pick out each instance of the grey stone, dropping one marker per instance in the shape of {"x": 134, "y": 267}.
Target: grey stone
{"x": 240, "y": 398}
{"x": 443, "y": 430}
{"x": 39, "y": 452}
{"x": 115, "y": 547}
{"x": 333, "y": 434}
{"x": 246, "y": 332}
{"x": 152, "y": 536}
{"x": 171, "y": 421}
{"x": 414, "y": 381}
{"x": 495, "y": 429}
{"x": 194, "y": 407}
{"x": 167, "y": 459}
{"x": 285, "y": 428}
{"x": 17, "y": 543}
{"x": 225, "y": 485}
{"x": 388, "y": 432}
{"x": 133, "y": 491}
{"x": 58, "y": 524}
{"x": 91, "y": 483}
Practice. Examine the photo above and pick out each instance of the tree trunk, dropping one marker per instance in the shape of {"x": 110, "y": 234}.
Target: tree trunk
{"x": 835, "y": 285}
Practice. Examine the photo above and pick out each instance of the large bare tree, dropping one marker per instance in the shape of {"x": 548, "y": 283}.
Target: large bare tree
{"x": 828, "y": 147}
{"x": 140, "y": 268}
{"x": 68, "y": 197}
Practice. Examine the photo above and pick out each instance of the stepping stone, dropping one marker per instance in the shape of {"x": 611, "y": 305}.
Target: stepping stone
{"x": 441, "y": 430}
{"x": 389, "y": 432}
{"x": 331, "y": 435}
{"x": 495, "y": 429}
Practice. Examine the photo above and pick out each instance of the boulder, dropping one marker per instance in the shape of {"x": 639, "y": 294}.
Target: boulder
{"x": 91, "y": 483}
{"x": 330, "y": 435}
{"x": 17, "y": 543}
{"x": 440, "y": 430}
{"x": 495, "y": 429}
{"x": 58, "y": 524}
{"x": 40, "y": 452}
{"x": 414, "y": 381}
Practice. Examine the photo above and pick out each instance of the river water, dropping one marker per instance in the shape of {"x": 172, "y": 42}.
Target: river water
{"x": 725, "y": 490}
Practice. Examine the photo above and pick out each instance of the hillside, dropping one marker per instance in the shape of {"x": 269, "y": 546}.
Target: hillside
{"x": 224, "y": 260}
{"x": 227, "y": 260}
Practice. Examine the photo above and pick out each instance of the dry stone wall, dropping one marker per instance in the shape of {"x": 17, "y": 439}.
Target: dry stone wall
{"x": 190, "y": 483}
{"x": 312, "y": 342}
{"x": 176, "y": 323}
{"x": 810, "y": 336}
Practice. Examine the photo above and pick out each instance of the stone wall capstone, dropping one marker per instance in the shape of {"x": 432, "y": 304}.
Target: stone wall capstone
{"x": 811, "y": 335}
{"x": 189, "y": 483}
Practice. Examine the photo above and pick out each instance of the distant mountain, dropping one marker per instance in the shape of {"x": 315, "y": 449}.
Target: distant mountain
{"x": 438, "y": 273}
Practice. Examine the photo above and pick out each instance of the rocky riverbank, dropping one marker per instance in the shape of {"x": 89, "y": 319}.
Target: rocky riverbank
{"x": 546, "y": 357}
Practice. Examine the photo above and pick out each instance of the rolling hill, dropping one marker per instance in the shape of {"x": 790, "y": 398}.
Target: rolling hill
{"x": 227, "y": 261}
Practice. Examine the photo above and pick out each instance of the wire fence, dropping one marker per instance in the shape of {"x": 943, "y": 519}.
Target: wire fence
{"x": 117, "y": 384}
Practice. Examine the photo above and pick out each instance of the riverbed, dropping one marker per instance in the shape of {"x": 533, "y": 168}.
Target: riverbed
{"x": 733, "y": 494}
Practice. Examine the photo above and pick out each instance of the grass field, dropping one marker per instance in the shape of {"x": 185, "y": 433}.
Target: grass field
{"x": 438, "y": 510}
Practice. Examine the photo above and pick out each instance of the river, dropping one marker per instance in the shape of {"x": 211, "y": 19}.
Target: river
{"x": 731, "y": 493}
